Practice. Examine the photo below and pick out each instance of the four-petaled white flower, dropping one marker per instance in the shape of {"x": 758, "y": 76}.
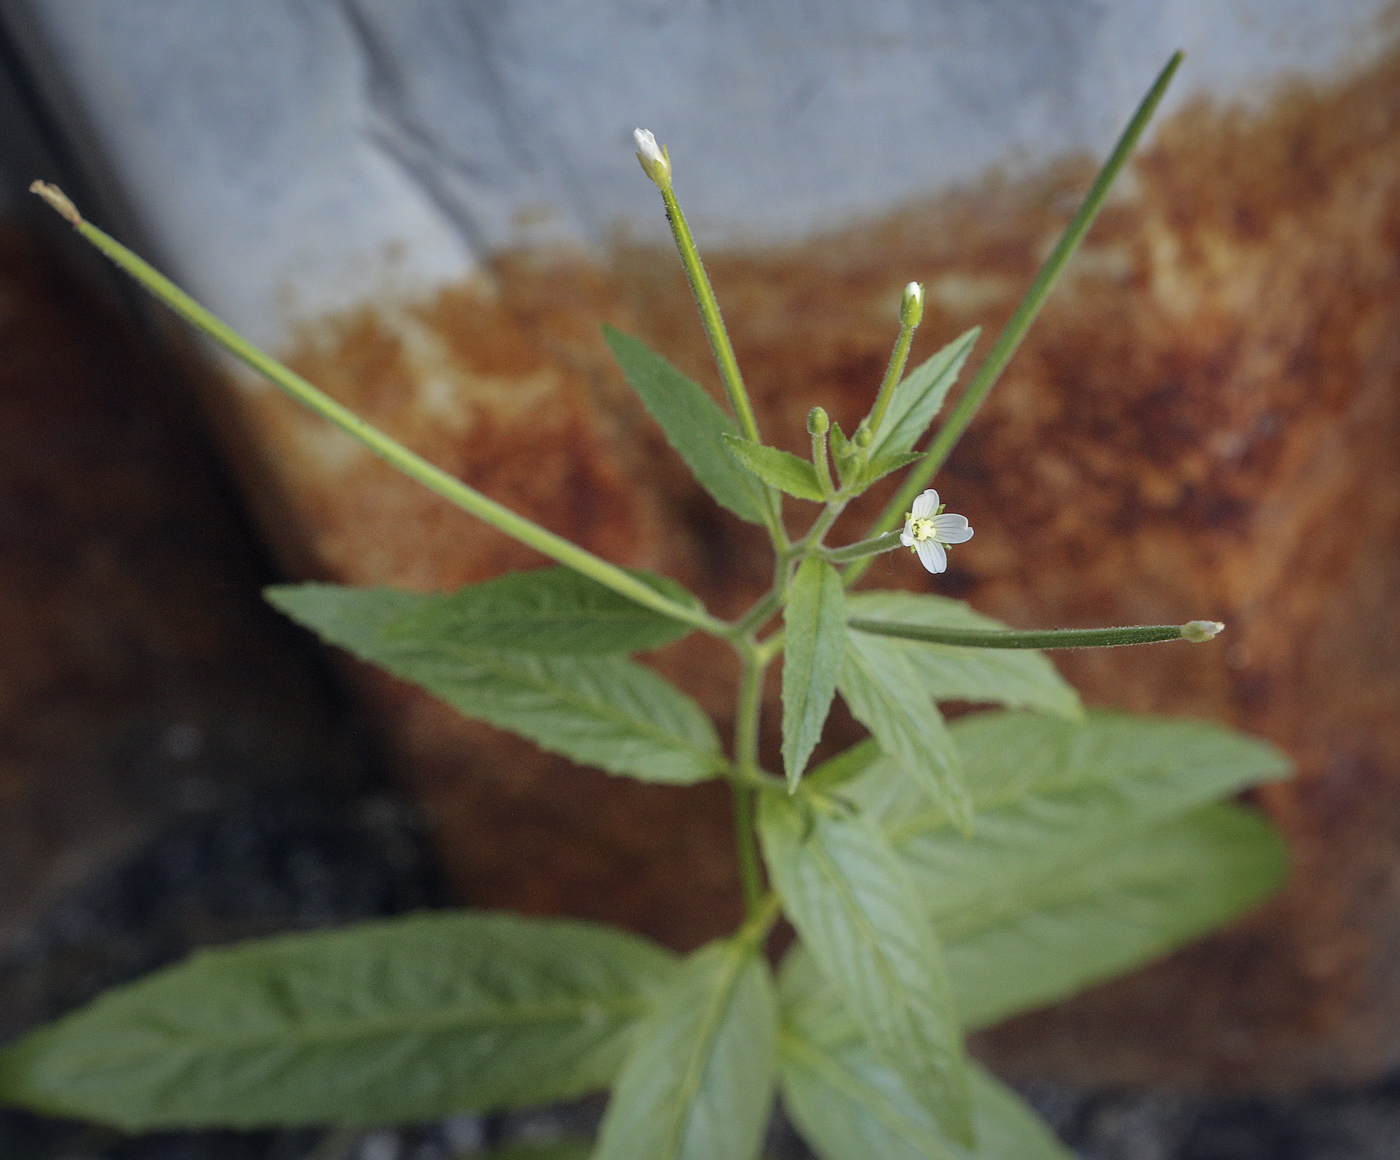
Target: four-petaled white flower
{"x": 927, "y": 529}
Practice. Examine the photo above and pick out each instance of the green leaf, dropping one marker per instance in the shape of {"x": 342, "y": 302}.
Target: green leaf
{"x": 693, "y": 423}
{"x": 1065, "y": 813}
{"x": 780, "y": 469}
{"x": 385, "y": 1022}
{"x": 919, "y": 397}
{"x": 605, "y": 711}
{"x": 815, "y": 624}
{"x": 1018, "y": 678}
{"x": 1083, "y": 924}
{"x": 550, "y": 610}
{"x": 882, "y": 465}
{"x": 886, "y": 696}
{"x": 855, "y": 908}
{"x": 844, "y": 453}
{"x": 851, "y": 1106}
{"x": 699, "y": 1082}
{"x": 847, "y": 764}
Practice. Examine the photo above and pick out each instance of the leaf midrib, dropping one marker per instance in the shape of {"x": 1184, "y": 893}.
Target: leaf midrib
{"x": 325, "y": 1032}
{"x": 704, "y": 1042}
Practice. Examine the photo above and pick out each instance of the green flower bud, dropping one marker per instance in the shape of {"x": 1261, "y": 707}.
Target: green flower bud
{"x": 817, "y": 422}
{"x": 1200, "y": 631}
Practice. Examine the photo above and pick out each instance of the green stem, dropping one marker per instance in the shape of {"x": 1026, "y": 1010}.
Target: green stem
{"x": 1020, "y": 322}
{"x": 710, "y": 316}
{"x": 414, "y": 466}
{"x": 755, "y": 617}
{"x": 858, "y": 551}
{"x": 760, "y": 921}
{"x": 1048, "y": 638}
{"x": 823, "y": 467}
{"x": 898, "y": 357}
{"x": 746, "y": 719}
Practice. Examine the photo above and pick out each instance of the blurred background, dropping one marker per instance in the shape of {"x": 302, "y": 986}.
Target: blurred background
{"x": 428, "y": 208}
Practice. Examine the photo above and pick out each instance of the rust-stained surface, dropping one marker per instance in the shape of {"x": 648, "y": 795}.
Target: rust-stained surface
{"x": 140, "y": 676}
{"x": 1204, "y": 423}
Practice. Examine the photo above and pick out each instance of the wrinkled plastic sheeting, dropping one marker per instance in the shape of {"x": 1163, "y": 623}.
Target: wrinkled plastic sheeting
{"x": 292, "y": 159}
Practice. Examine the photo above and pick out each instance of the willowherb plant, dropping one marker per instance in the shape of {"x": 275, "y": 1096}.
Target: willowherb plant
{"x": 939, "y": 877}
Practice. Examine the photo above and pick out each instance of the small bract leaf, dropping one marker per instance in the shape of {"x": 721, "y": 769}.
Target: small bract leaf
{"x": 693, "y": 423}
{"x": 597, "y": 710}
{"x": 780, "y": 469}
{"x": 698, "y": 1085}
{"x": 815, "y": 623}
{"x": 882, "y": 465}
{"x": 385, "y": 1022}
{"x": 919, "y": 397}
{"x": 550, "y": 610}
{"x": 855, "y": 908}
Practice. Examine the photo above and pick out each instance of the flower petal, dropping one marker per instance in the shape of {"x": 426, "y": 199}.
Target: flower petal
{"x": 924, "y": 505}
{"x": 932, "y": 556}
{"x": 951, "y": 528}
{"x": 906, "y": 537}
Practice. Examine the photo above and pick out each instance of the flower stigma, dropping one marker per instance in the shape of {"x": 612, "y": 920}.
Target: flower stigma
{"x": 927, "y": 529}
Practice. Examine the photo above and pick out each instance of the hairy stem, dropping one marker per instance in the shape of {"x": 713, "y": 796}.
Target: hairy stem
{"x": 859, "y": 550}
{"x": 1020, "y": 322}
{"x": 414, "y": 466}
{"x": 710, "y": 317}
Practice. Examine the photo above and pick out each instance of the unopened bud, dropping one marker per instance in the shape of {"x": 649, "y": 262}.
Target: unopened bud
{"x": 862, "y": 437}
{"x": 656, "y": 161}
{"x": 1200, "y": 631}
{"x": 817, "y": 422}
{"x": 59, "y": 200}
{"x": 911, "y": 309}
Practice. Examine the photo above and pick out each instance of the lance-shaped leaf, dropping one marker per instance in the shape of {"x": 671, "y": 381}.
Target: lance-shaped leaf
{"x": 919, "y": 397}
{"x": 597, "y": 710}
{"x": 1082, "y": 925}
{"x": 885, "y": 695}
{"x": 1074, "y": 871}
{"x": 1050, "y": 792}
{"x": 693, "y": 423}
{"x": 385, "y": 1022}
{"x": 698, "y": 1085}
{"x": 815, "y": 641}
{"x": 855, "y": 908}
{"x": 881, "y": 465}
{"x": 1017, "y": 678}
{"x": 780, "y": 469}
{"x": 849, "y": 1105}
{"x": 555, "y": 611}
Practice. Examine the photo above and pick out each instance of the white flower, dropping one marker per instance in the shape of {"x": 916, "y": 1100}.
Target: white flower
{"x": 927, "y": 529}
{"x": 652, "y": 157}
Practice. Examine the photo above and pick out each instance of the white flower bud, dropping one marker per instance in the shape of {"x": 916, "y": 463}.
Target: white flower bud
{"x": 911, "y": 309}
{"x": 655, "y": 162}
